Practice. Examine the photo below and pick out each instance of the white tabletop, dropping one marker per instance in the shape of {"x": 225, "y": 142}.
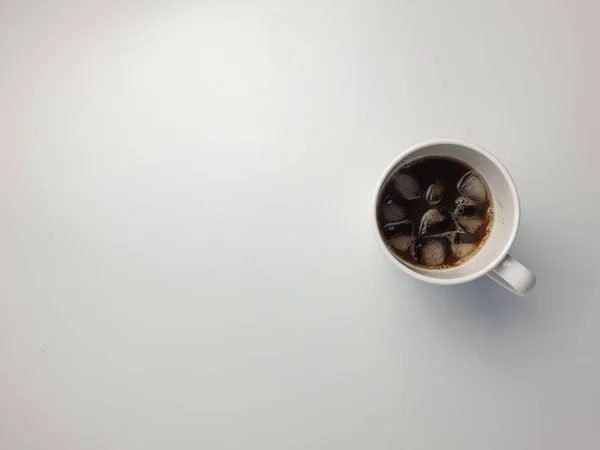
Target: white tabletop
{"x": 186, "y": 257}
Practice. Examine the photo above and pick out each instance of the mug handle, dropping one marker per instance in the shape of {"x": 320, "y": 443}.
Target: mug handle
{"x": 513, "y": 275}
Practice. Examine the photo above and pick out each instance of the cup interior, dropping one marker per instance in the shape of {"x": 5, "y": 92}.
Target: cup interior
{"x": 505, "y": 202}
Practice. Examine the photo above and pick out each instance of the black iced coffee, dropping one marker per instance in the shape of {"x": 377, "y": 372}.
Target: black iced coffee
{"x": 435, "y": 212}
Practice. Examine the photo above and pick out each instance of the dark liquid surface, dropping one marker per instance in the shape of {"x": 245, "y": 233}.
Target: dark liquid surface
{"x": 405, "y": 196}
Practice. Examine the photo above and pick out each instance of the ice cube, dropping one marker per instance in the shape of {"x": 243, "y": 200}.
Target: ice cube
{"x": 470, "y": 185}
{"x": 478, "y": 210}
{"x": 403, "y": 228}
{"x": 392, "y": 211}
{"x": 470, "y": 224}
{"x": 430, "y": 252}
{"x": 433, "y": 194}
{"x": 401, "y": 234}
{"x": 462, "y": 237}
{"x": 401, "y": 242}
{"x": 408, "y": 186}
{"x": 470, "y": 216}
{"x": 436, "y": 222}
{"x": 462, "y": 250}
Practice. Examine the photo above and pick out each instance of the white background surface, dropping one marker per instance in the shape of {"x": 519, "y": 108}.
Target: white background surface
{"x": 186, "y": 258}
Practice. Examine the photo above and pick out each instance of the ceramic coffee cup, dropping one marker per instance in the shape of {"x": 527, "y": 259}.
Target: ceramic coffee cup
{"x": 492, "y": 259}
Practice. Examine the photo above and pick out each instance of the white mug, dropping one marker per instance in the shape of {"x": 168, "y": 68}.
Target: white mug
{"x": 492, "y": 259}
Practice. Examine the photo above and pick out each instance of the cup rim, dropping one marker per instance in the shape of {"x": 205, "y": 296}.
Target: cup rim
{"x": 515, "y": 221}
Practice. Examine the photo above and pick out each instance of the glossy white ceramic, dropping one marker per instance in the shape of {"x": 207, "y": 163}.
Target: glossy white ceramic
{"x": 492, "y": 259}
